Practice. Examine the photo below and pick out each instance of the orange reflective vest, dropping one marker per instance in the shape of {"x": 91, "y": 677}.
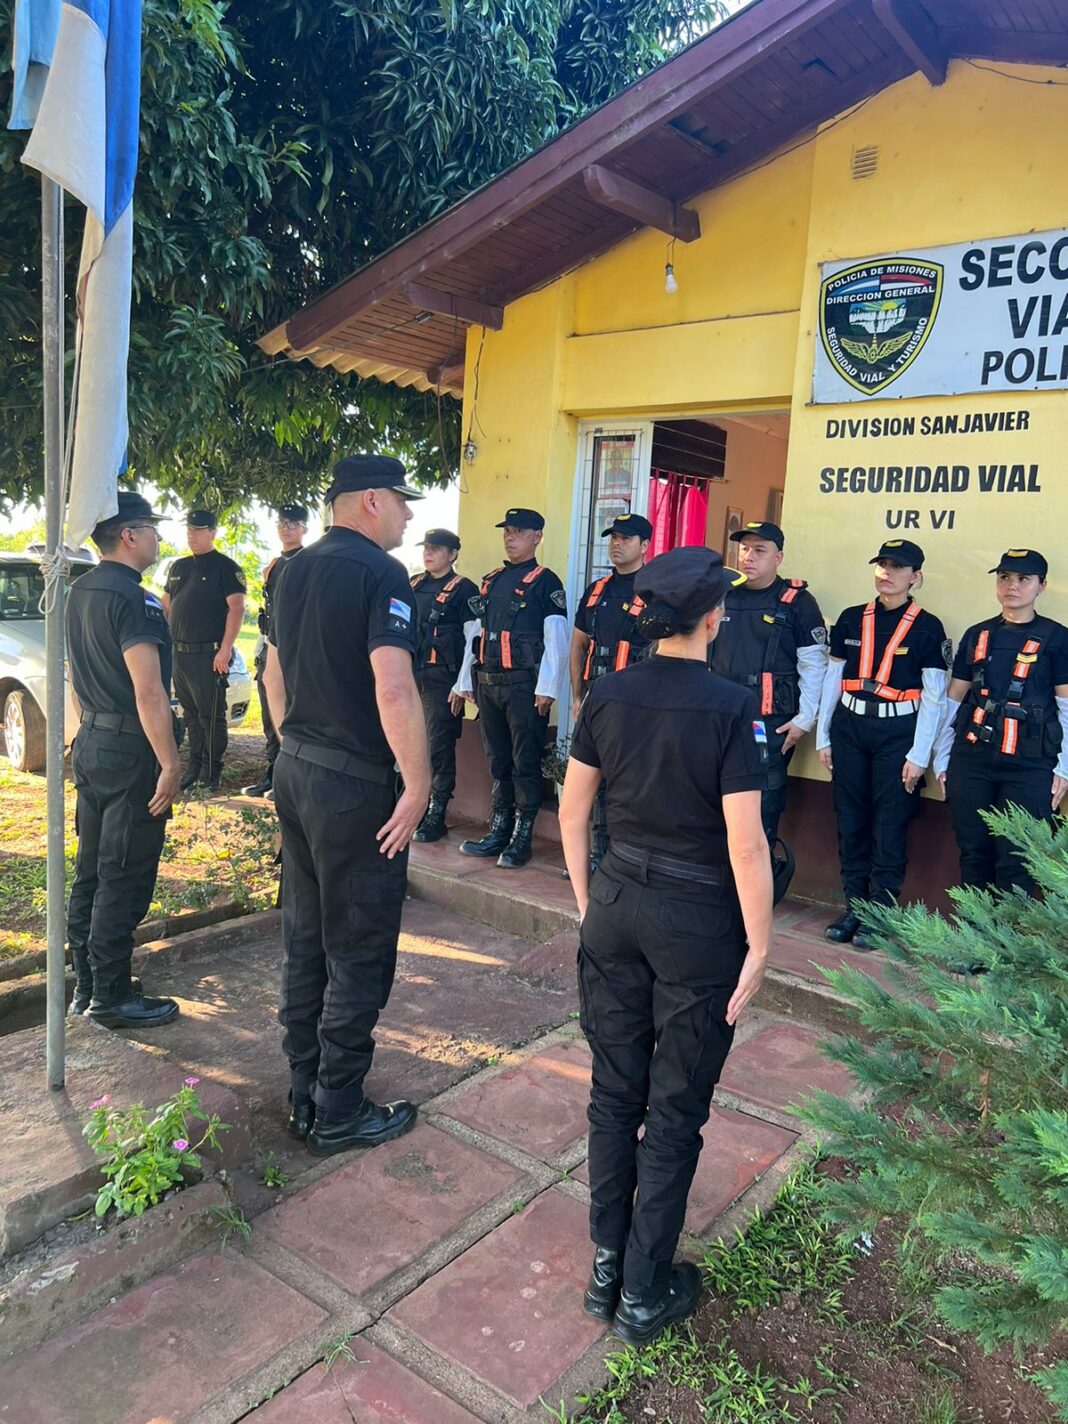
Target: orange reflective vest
{"x": 622, "y": 654}
{"x": 512, "y": 610}
{"x": 878, "y": 686}
{"x": 988, "y": 717}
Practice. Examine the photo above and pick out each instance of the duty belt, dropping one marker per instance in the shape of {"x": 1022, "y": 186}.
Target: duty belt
{"x": 334, "y": 759}
{"x": 113, "y": 722}
{"x": 196, "y": 647}
{"x": 668, "y": 865}
{"x": 500, "y": 679}
{"x": 877, "y": 709}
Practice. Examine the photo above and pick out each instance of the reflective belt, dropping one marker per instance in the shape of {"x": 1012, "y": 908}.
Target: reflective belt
{"x": 878, "y": 686}
{"x": 1010, "y": 712}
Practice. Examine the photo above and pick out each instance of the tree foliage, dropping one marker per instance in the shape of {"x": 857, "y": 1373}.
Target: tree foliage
{"x": 283, "y": 144}
{"x": 965, "y": 1130}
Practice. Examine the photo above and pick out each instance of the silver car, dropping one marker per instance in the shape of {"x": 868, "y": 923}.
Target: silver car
{"x": 22, "y": 664}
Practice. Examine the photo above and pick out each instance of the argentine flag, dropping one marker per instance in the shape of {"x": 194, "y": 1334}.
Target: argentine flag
{"x": 85, "y": 137}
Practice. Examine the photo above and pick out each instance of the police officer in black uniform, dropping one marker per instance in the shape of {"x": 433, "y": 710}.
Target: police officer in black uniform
{"x": 1005, "y": 735}
{"x": 664, "y": 968}
{"x": 446, "y": 626}
{"x": 342, "y": 693}
{"x": 606, "y": 636}
{"x": 125, "y": 763}
{"x": 773, "y": 639}
{"x": 880, "y": 711}
{"x": 204, "y": 598}
{"x": 292, "y": 527}
{"x": 520, "y": 649}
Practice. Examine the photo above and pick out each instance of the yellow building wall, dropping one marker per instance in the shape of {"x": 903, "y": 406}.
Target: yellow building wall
{"x": 980, "y": 156}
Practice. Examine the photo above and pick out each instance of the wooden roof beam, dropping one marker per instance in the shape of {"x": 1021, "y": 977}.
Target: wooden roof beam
{"x": 430, "y": 299}
{"x": 645, "y": 205}
{"x": 449, "y": 372}
{"x": 915, "y": 32}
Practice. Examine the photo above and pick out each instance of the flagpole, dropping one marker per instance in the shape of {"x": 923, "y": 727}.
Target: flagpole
{"x": 55, "y": 589}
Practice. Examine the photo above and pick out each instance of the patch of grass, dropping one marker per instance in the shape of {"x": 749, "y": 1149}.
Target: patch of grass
{"x": 234, "y": 1223}
{"x": 335, "y": 1350}
{"x": 273, "y": 1176}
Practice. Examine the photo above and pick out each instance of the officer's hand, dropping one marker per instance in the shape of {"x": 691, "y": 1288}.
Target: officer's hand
{"x": 468, "y": 697}
{"x": 910, "y": 775}
{"x": 398, "y": 830}
{"x": 166, "y": 791}
{"x": 542, "y": 705}
{"x": 749, "y": 981}
{"x": 942, "y": 783}
{"x": 456, "y": 703}
{"x": 793, "y": 734}
{"x": 221, "y": 663}
{"x": 1060, "y": 786}
{"x": 825, "y": 760}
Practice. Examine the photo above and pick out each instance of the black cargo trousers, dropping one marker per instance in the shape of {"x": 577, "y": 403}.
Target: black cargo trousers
{"x": 201, "y": 691}
{"x": 341, "y": 914}
{"x": 443, "y": 728}
{"x": 659, "y": 959}
{"x": 119, "y": 847}
{"x": 513, "y": 734}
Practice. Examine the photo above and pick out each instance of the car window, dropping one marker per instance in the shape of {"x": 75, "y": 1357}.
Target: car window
{"x": 22, "y": 588}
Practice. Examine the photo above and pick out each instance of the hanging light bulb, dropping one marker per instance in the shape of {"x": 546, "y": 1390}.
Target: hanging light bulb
{"x": 670, "y": 281}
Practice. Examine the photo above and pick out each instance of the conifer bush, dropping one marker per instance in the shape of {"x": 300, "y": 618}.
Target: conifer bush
{"x": 964, "y": 1132}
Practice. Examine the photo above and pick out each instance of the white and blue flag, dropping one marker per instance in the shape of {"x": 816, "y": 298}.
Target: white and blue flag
{"x": 83, "y": 102}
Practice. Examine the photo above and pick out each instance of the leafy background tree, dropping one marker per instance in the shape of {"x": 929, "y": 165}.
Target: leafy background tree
{"x": 283, "y": 144}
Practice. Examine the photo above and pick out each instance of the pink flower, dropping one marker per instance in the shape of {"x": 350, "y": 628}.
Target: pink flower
{"x": 100, "y": 1102}
{"x": 191, "y": 1082}
{"x": 180, "y": 1144}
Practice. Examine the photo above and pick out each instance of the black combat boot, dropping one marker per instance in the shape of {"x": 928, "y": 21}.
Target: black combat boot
{"x": 301, "y": 1116}
{"x": 191, "y": 777}
{"x": 496, "y": 838}
{"x": 116, "y": 1003}
{"x": 520, "y": 847}
{"x": 605, "y": 1284}
{"x": 842, "y": 930}
{"x": 371, "y": 1125}
{"x": 258, "y": 788}
{"x": 83, "y": 980}
{"x": 641, "y": 1317}
{"x": 432, "y": 827}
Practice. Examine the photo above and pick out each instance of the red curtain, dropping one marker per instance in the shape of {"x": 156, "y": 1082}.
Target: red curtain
{"x": 678, "y": 511}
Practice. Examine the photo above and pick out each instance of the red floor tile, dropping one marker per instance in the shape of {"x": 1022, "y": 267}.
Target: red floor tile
{"x": 539, "y": 1105}
{"x": 780, "y": 1064}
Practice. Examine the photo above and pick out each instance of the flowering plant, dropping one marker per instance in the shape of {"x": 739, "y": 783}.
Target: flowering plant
{"x": 146, "y": 1155}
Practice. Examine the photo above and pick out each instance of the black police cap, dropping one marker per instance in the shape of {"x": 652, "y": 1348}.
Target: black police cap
{"x": 201, "y": 519}
{"x": 295, "y": 513}
{"x": 630, "y": 525}
{"x": 1022, "y": 561}
{"x": 364, "y": 472}
{"x": 900, "y": 551}
{"x": 692, "y": 581}
{"x": 522, "y": 519}
{"x": 444, "y": 537}
{"x": 760, "y": 529}
{"x": 133, "y": 508}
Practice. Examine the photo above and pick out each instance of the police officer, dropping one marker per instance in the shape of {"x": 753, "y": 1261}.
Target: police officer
{"x": 606, "y": 636}
{"x": 881, "y": 707}
{"x": 292, "y": 527}
{"x": 664, "y": 968}
{"x": 1005, "y": 734}
{"x": 446, "y": 627}
{"x": 341, "y": 691}
{"x": 204, "y": 598}
{"x": 125, "y": 764}
{"x": 520, "y": 650}
{"x": 773, "y": 639}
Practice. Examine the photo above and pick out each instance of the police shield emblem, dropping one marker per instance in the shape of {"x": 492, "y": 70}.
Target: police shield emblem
{"x": 875, "y": 318}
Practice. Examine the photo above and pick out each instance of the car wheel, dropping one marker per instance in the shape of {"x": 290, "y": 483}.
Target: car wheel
{"x": 24, "y": 732}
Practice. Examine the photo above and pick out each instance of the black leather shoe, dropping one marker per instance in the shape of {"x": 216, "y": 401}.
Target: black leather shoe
{"x": 432, "y": 827}
{"x": 865, "y": 938}
{"x": 83, "y": 995}
{"x": 136, "y": 1011}
{"x": 301, "y": 1117}
{"x": 842, "y": 930}
{"x": 258, "y": 788}
{"x": 605, "y": 1284}
{"x": 638, "y": 1322}
{"x": 496, "y": 838}
{"x": 190, "y": 779}
{"x": 371, "y": 1126}
{"x": 83, "y": 980}
{"x": 521, "y": 847}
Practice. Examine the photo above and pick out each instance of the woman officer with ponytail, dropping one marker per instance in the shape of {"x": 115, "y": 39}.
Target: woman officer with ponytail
{"x": 676, "y": 928}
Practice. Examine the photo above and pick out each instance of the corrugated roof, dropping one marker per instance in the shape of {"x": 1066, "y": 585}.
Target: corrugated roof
{"x": 769, "y": 75}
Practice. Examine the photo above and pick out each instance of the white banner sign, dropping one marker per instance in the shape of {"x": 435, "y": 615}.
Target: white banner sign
{"x": 942, "y": 321}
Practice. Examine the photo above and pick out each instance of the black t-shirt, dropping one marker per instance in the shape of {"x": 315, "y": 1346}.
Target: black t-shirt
{"x": 441, "y": 638}
{"x": 198, "y": 586}
{"x": 1004, "y": 643}
{"x": 276, "y": 565}
{"x": 518, "y": 608}
{"x": 747, "y": 626}
{"x": 608, "y": 621}
{"x": 107, "y": 612}
{"x": 333, "y": 606}
{"x": 672, "y": 739}
{"x": 925, "y": 645}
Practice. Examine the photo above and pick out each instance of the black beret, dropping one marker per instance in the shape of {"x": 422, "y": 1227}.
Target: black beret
{"x": 692, "y": 581}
